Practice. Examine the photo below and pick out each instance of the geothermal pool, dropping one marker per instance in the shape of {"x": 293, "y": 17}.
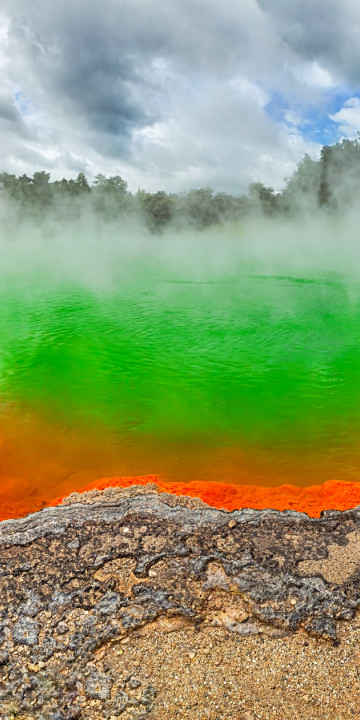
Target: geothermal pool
{"x": 247, "y": 378}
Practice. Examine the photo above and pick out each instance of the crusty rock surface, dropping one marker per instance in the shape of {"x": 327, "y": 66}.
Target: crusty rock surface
{"x": 83, "y": 583}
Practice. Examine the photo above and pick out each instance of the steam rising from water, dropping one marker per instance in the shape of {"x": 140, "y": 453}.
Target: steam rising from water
{"x": 99, "y": 255}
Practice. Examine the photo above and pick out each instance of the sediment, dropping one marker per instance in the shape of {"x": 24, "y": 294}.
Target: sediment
{"x": 128, "y": 603}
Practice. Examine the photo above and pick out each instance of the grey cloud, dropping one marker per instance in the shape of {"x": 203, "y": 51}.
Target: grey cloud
{"x": 98, "y": 60}
{"x": 326, "y": 30}
{"x": 11, "y": 120}
{"x": 8, "y": 111}
{"x": 82, "y": 70}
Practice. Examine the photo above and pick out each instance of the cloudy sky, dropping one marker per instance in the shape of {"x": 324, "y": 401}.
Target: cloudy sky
{"x": 173, "y": 94}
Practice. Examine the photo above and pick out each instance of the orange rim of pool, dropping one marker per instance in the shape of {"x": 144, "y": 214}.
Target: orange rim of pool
{"x": 331, "y": 495}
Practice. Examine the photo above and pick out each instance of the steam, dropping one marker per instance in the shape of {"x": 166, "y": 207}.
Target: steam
{"x": 101, "y": 255}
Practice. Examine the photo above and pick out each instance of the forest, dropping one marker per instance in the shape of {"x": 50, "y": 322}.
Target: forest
{"x": 330, "y": 184}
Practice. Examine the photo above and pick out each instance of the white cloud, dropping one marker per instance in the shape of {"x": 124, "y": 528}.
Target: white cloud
{"x": 348, "y": 117}
{"x": 294, "y": 118}
{"x": 314, "y": 75}
{"x": 250, "y": 90}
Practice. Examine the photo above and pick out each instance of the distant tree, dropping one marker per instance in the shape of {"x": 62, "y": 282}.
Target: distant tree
{"x": 199, "y": 208}
{"x": 341, "y": 174}
{"x": 225, "y": 207}
{"x": 17, "y": 188}
{"x": 61, "y": 185}
{"x": 111, "y": 196}
{"x": 82, "y": 184}
{"x": 40, "y": 191}
{"x": 302, "y": 190}
{"x": 7, "y": 181}
{"x": 157, "y": 208}
{"x": 324, "y": 187}
{"x": 117, "y": 185}
{"x": 114, "y": 184}
{"x": 99, "y": 180}
{"x": 41, "y": 178}
{"x": 262, "y": 198}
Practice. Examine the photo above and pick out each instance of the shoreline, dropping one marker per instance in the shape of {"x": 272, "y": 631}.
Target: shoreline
{"x": 312, "y": 500}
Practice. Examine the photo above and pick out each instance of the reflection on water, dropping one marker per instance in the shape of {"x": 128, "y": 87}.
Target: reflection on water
{"x": 249, "y": 379}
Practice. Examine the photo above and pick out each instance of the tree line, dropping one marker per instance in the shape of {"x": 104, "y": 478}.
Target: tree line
{"x": 331, "y": 183}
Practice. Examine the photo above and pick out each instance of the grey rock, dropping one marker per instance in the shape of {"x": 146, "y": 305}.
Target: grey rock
{"x": 98, "y": 686}
{"x": 73, "y": 713}
{"x": 4, "y": 657}
{"x": 62, "y": 628}
{"x": 109, "y": 604}
{"x": 134, "y": 683}
{"x": 121, "y": 701}
{"x": 148, "y": 696}
{"x": 31, "y": 606}
{"x": 26, "y": 631}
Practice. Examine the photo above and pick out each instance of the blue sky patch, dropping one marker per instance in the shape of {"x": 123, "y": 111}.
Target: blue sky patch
{"x": 314, "y": 123}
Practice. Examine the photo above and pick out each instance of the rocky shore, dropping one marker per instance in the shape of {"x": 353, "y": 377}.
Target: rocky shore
{"x": 134, "y": 604}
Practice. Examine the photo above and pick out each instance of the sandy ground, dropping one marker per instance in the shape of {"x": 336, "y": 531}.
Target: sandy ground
{"x": 216, "y": 674}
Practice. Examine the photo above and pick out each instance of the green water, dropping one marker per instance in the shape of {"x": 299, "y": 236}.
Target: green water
{"x": 265, "y": 365}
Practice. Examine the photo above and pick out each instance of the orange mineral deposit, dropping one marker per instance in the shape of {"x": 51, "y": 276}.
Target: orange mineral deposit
{"x": 332, "y": 495}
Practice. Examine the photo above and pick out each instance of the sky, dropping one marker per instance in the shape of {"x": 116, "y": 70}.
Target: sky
{"x": 176, "y": 94}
